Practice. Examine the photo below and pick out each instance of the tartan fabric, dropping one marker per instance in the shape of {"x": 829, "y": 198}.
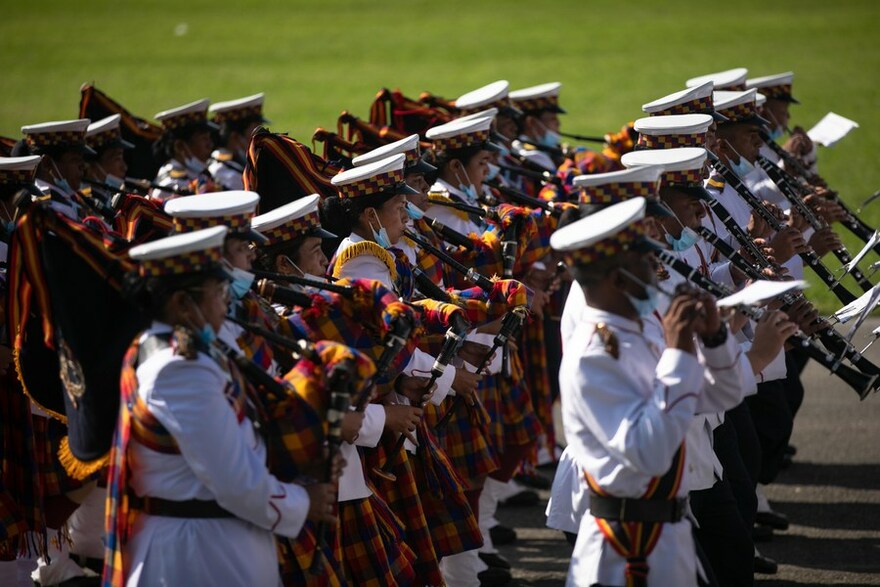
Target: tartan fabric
{"x": 404, "y": 498}
{"x": 48, "y": 433}
{"x": 404, "y": 283}
{"x": 147, "y": 430}
{"x": 672, "y": 141}
{"x": 292, "y": 229}
{"x": 381, "y": 182}
{"x": 71, "y": 138}
{"x": 702, "y": 105}
{"x": 295, "y": 558}
{"x": 254, "y": 346}
{"x": 740, "y": 111}
{"x": 17, "y": 176}
{"x": 537, "y": 104}
{"x": 777, "y": 92}
{"x": 461, "y": 141}
{"x": 254, "y": 111}
{"x": 686, "y": 178}
{"x": 191, "y": 262}
{"x": 404, "y": 116}
{"x": 613, "y": 245}
{"x": 528, "y": 405}
{"x": 453, "y": 525}
{"x": 98, "y": 140}
{"x": 140, "y": 220}
{"x": 179, "y": 121}
{"x": 465, "y": 439}
{"x": 365, "y": 136}
{"x": 635, "y": 540}
{"x": 373, "y": 552}
{"x": 429, "y": 264}
{"x": 235, "y": 222}
{"x": 12, "y": 525}
{"x": 612, "y": 193}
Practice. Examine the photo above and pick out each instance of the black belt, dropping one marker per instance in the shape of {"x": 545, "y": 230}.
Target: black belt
{"x": 637, "y": 510}
{"x": 190, "y": 508}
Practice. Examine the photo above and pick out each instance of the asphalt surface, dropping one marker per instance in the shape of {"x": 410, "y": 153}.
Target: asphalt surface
{"x": 831, "y": 495}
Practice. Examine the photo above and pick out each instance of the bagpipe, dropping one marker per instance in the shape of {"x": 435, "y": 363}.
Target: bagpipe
{"x": 809, "y": 257}
{"x": 862, "y": 383}
{"x": 407, "y": 116}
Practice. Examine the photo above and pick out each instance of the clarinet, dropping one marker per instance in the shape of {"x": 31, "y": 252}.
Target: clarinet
{"x": 829, "y": 337}
{"x": 510, "y": 326}
{"x": 790, "y": 190}
{"x": 809, "y": 257}
{"x": 452, "y": 343}
{"x": 860, "y": 382}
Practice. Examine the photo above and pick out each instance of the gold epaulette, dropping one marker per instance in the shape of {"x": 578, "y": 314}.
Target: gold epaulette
{"x": 219, "y": 155}
{"x": 609, "y": 340}
{"x": 177, "y": 174}
{"x": 716, "y": 182}
{"x": 365, "y": 248}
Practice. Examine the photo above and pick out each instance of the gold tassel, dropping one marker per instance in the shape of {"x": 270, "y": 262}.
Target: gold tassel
{"x": 365, "y": 248}
{"x": 76, "y": 468}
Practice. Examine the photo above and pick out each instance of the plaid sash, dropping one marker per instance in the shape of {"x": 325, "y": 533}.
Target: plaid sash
{"x": 635, "y": 540}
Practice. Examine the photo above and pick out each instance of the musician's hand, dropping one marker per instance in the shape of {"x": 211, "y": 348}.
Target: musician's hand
{"x": 798, "y": 221}
{"x": 465, "y": 385}
{"x": 771, "y": 332}
{"x": 539, "y": 300}
{"x": 787, "y": 242}
{"x": 799, "y": 144}
{"x": 829, "y": 210}
{"x": 758, "y": 227}
{"x": 400, "y": 419}
{"x": 678, "y": 323}
{"x": 824, "y": 241}
{"x": 322, "y": 499}
{"x": 474, "y": 352}
{"x": 351, "y": 426}
{"x": 414, "y": 389}
{"x": 804, "y": 314}
{"x": 708, "y": 321}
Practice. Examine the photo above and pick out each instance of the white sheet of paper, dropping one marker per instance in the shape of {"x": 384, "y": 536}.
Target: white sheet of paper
{"x": 760, "y": 291}
{"x": 831, "y": 129}
{"x": 858, "y": 258}
{"x": 863, "y": 315}
{"x": 856, "y": 307}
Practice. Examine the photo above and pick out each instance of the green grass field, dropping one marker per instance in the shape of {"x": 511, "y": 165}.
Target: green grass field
{"x": 316, "y": 58}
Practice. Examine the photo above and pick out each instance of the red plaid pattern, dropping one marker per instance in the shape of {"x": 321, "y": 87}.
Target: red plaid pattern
{"x": 372, "y": 185}
{"x": 780, "y": 92}
{"x": 243, "y": 113}
{"x": 16, "y": 176}
{"x": 538, "y": 104}
{"x": 612, "y": 193}
{"x": 55, "y": 139}
{"x": 295, "y": 557}
{"x": 672, "y": 141}
{"x": 610, "y": 246}
{"x": 696, "y": 106}
{"x": 182, "y": 120}
{"x": 461, "y": 141}
{"x": 185, "y": 263}
{"x": 740, "y": 111}
{"x": 687, "y": 178}
{"x": 235, "y": 222}
{"x": 292, "y": 229}
{"x": 98, "y": 140}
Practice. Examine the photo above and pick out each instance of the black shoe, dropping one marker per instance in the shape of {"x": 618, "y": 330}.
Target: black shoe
{"x": 786, "y": 461}
{"x": 524, "y": 498}
{"x": 81, "y": 582}
{"x": 494, "y": 560}
{"x": 773, "y": 519}
{"x": 791, "y": 450}
{"x": 492, "y": 577}
{"x": 502, "y": 535}
{"x": 534, "y": 481}
{"x": 762, "y": 533}
{"x": 765, "y": 566}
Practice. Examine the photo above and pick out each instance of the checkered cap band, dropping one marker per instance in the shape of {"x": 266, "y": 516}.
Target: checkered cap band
{"x": 613, "y": 245}
{"x": 235, "y": 222}
{"x": 689, "y": 178}
{"x": 181, "y": 264}
{"x": 181, "y": 120}
{"x": 16, "y": 176}
{"x": 612, "y": 193}
{"x": 538, "y": 104}
{"x": 740, "y": 111}
{"x": 461, "y": 141}
{"x": 672, "y": 141}
{"x": 740, "y": 87}
{"x": 413, "y": 156}
{"x": 696, "y": 106}
{"x": 55, "y": 138}
{"x": 372, "y": 185}
{"x": 292, "y": 228}
{"x": 779, "y": 92}
{"x": 499, "y": 104}
{"x": 98, "y": 140}
{"x": 237, "y": 114}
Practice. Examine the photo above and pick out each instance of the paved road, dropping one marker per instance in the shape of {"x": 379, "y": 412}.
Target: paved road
{"x": 831, "y": 495}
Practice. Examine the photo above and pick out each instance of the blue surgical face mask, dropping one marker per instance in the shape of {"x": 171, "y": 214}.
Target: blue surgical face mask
{"x": 551, "y": 138}
{"x": 467, "y": 187}
{"x": 414, "y": 212}
{"x": 207, "y": 335}
{"x": 381, "y": 237}
{"x": 742, "y": 168}
{"x": 193, "y": 164}
{"x": 643, "y": 307}
{"x": 688, "y": 238}
{"x": 776, "y": 133}
{"x": 64, "y": 186}
{"x": 505, "y": 151}
{"x": 241, "y": 282}
{"x": 493, "y": 172}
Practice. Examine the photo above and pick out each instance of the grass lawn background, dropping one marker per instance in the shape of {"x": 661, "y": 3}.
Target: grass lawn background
{"x": 314, "y": 59}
